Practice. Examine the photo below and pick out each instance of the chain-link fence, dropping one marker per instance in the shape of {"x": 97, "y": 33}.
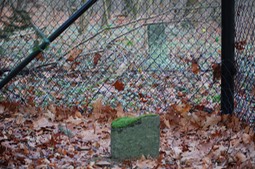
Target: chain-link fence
{"x": 245, "y": 60}
{"x": 144, "y": 55}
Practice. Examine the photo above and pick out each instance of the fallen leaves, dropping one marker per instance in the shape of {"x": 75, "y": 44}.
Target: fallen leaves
{"x": 40, "y": 57}
{"x": 207, "y": 136}
{"x": 96, "y": 58}
{"x": 195, "y": 67}
{"x": 183, "y": 109}
{"x": 97, "y": 107}
{"x": 119, "y": 85}
{"x": 105, "y": 113}
{"x": 73, "y": 54}
{"x": 211, "y": 120}
{"x": 240, "y": 157}
{"x": 246, "y": 138}
{"x": 190, "y": 138}
{"x": 216, "y": 71}
{"x": 42, "y": 122}
{"x": 120, "y": 111}
{"x": 253, "y": 90}
{"x": 240, "y": 45}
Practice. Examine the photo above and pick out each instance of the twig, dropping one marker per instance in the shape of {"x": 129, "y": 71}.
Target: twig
{"x": 27, "y": 71}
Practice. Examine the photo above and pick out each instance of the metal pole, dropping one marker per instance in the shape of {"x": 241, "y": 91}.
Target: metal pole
{"x": 46, "y": 43}
{"x": 227, "y": 56}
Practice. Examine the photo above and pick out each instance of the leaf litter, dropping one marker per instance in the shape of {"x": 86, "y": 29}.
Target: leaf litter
{"x": 65, "y": 138}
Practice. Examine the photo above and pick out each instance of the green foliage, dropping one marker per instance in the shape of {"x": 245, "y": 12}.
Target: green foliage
{"x": 130, "y": 43}
{"x": 216, "y": 98}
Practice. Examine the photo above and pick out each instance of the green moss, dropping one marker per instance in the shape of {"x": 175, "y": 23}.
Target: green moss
{"x": 126, "y": 121}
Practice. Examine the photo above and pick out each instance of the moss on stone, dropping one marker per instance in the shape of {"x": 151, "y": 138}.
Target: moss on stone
{"x": 126, "y": 121}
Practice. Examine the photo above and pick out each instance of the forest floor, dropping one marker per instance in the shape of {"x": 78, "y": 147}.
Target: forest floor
{"x": 58, "y": 137}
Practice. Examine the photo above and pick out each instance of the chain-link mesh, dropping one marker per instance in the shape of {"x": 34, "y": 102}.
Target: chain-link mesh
{"x": 245, "y": 60}
{"x": 144, "y": 55}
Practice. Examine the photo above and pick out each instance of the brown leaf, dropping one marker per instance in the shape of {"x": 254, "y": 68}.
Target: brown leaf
{"x": 97, "y": 57}
{"x": 253, "y": 90}
{"x": 240, "y": 45}
{"x": 145, "y": 163}
{"x": 51, "y": 112}
{"x": 42, "y": 122}
{"x": 73, "y": 54}
{"x": 212, "y": 120}
{"x": 103, "y": 163}
{"x": 207, "y": 162}
{"x": 74, "y": 121}
{"x": 120, "y": 19}
{"x": 234, "y": 123}
{"x": 74, "y": 65}
{"x": 20, "y": 119}
{"x": 216, "y": 71}
{"x": 2, "y": 149}
{"x": 195, "y": 67}
{"x": 167, "y": 123}
{"x": 108, "y": 113}
{"x": 246, "y": 138}
{"x": 108, "y": 110}
{"x": 120, "y": 111}
{"x": 1, "y": 109}
{"x": 119, "y": 85}
{"x": 143, "y": 98}
{"x": 181, "y": 108}
{"x": 40, "y": 56}
{"x": 77, "y": 114}
{"x": 240, "y": 157}
{"x": 97, "y": 108}
{"x": 197, "y": 119}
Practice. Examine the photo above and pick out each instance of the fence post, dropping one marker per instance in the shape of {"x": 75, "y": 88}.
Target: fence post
{"x": 46, "y": 42}
{"x": 227, "y": 56}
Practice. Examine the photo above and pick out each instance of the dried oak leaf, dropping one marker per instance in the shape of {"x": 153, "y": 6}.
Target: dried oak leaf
{"x": 73, "y": 54}
{"x": 119, "y": 85}
{"x": 216, "y": 71}
{"x": 109, "y": 112}
{"x": 40, "y": 57}
{"x": 195, "y": 67}
{"x": 143, "y": 97}
{"x": 181, "y": 108}
{"x": 97, "y": 107}
{"x": 211, "y": 120}
{"x": 96, "y": 59}
{"x": 240, "y": 45}
{"x": 246, "y": 138}
{"x": 74, "y": 65}
{"x": 240, "y": 157}
{"x": 120, "y": 111}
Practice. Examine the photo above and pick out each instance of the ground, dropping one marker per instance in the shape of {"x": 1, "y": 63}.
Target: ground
{"x": 58, "y": 137}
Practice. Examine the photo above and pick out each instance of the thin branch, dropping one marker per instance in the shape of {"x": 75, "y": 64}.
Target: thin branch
{"x": 27, "y": 71}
